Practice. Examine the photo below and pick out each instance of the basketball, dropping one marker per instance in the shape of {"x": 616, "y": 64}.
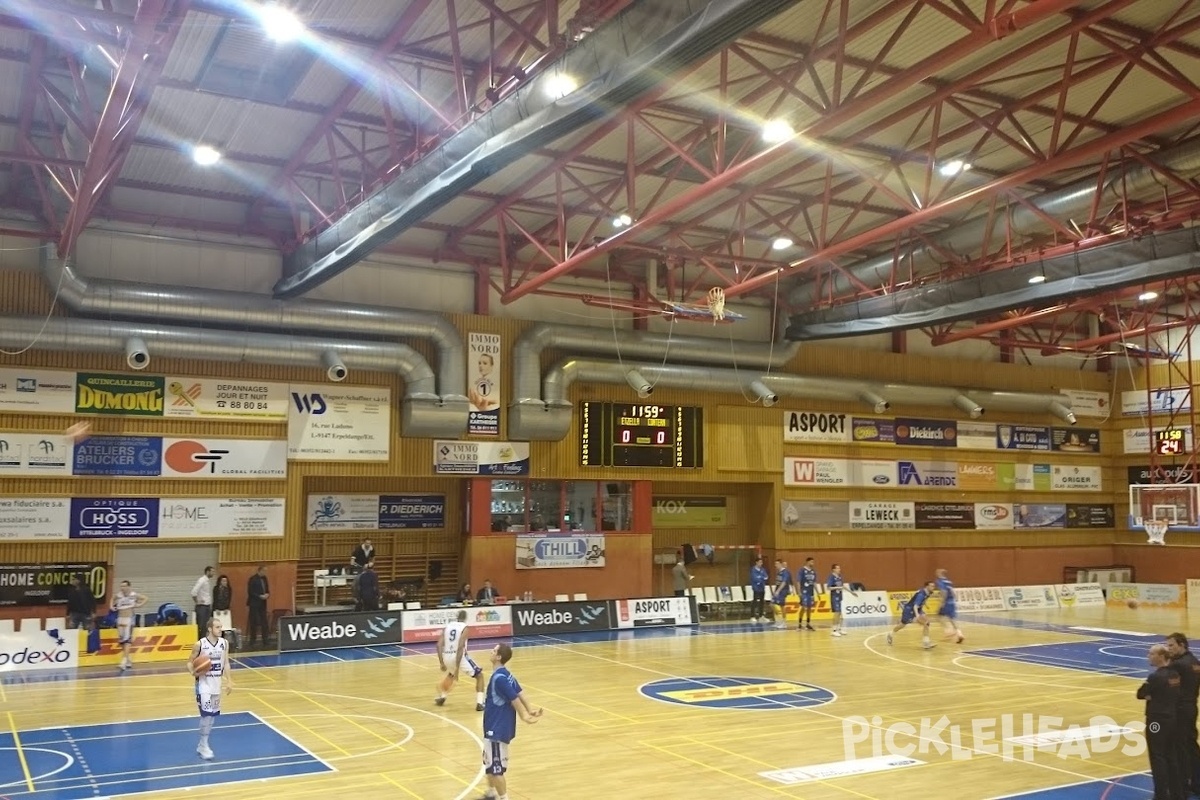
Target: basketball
{"x": 79, "y": 431}
{"x": 1132, "y": 603}
{"x": 201, "y": 666}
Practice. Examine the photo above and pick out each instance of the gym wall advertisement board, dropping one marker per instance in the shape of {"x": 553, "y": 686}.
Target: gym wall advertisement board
{"x": 39, "y": 650}
{"x": 483, "y": 622}
{"x": 547, "y": 618}
{"x": 47, "y": 584}
{"x": 328, "y": 631}
{"x": 651, "y": 612}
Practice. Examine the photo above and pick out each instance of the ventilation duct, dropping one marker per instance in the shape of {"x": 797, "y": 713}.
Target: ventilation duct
{"x": 422, "y": 415}
{"x": 1068, "y": 277}
{"x": 633, "y": 52}
{"x": 555, "y": 422}
{"x": 527, "y": 414}
{"x": 246, "y": 312}
{"x": 1071, "y": 201}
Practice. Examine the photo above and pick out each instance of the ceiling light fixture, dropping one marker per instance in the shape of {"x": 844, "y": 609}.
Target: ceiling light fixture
{"x": 1146, "y": 297}
{"x": 622, "y": 221}
{"x": 559, "y": 86}
{"x": 777, "y": 130}
{"x": 952, "y": 168}
{"x": 782, "y": 243}
{"x": 280, "y": 23}
{"x": 205, "y": 156}
{"x": 1038, "y": 279}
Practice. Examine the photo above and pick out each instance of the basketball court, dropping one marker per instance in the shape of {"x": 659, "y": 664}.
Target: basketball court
{"x": 1037, "y": 705}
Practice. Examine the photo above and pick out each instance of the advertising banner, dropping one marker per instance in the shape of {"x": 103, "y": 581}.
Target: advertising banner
{"x": 816, "y": 426}
{"x": 483, "y": 394}
{"x": 1075, "y": 440}
{"x": 372, "y": 512}
{"x": 39, "y": 650}
{"x": 1089, "y": 515}
{"x": 1088, "y": 404}
{"x": 1161, "y": 473}
{"x": 1075, "y": 595}
{"x": 1032, "y": 477}
{"x": 896, "y": 601}
{"x": 483, "y": 622}
{"x": 994, "y": 516}
{"x": 1140, "y": 402}
{"x": 688, "y": 512}
{"x": 37, "y": 391}
{"x": 868, "y": 430}
{"x": 928, "y": 474}
{"x": 481, "y": 458}
{"x": 977, "y": 435}
{"x": 801, "y": 515}
{"x": 816, "y": 472}
{"x": 342, "y": 423}
{"x": 119, "y": 395}
{"x": 1156, "y": 595}
{"x": 1141, "y": 440}
{"x": 1193, "y": 593}
{"x": 1019, "y": 598}
{"x": 1075, "y": 479}
{"x": 345, "y": 629}
{"x": 548, "y": 618}
{"x": 873, "y": 472}
{"x": 877, "y": 515}
{"x": 926, "y": 432}
{"x": 866, "y": 605}
{"x": 119, "y": 456}
{"x": 559, "y": 550}
{"x": 46, "y": 584}
{"x": 156, "y": 457}
{"x": 114, "y": 518}
{"x": 161, "y": 643}
{"x": 34, "y": 519}
{"x": 655, "y": 612}
{"x": 226, "y": 399}
{"x": 35, "y": 455}
{"x": 1040, "y": 515}
{"x": 975, "y": 476}
{"x": 945, "y": 516}
{"x": 1022, "y": 437}
{"x": 215, "y": 518}
{"x": 975, "y": 599}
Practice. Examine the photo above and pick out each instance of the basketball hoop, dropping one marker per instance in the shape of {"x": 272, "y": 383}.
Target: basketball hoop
{"x": 716, "y": 303}
{"x": 1156, "y": 530}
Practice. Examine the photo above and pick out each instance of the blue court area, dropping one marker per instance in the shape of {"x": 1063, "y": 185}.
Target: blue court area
{"x": 90, "y": 761}
{"x": 1137, "y": 786}
{"x": 1105, "y": 651}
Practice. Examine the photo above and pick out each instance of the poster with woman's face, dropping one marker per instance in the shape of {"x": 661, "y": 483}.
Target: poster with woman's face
{"x": 483, "y": 384}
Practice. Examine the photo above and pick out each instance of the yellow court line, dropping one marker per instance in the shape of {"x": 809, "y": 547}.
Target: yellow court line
{"x": 360, "y": 726}
{"x": 772, "y": 767}
{"x": 12, "y": 724}
{"x": 3, "y": 695}
{"x": 256, "y": 671}
{"x": 573, "y": 701}
{"x": 458, "y": 778}
{"x": 295, "y": 721}
{"x": 400, "y": 787}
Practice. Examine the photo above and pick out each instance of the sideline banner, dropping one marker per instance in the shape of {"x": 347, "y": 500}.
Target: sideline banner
{"x": 656, "y": 612}
{"x": 165, "y": 643}
{"x": 542, "y": 618}
{"x": 867, "y": 605}
{"x": 1021, "y": 598}
{"x": 1080, "y": 595}
{"x": 348, "y": 629}
{"x": 47, "y": 584}
{"x": 483, "y": 622}
{"x": 1193, "y": 593}
{"x": 39, "y": 650}
{"x": 896, "y": 601}
{"x": 1157, "y": 595}
{"x": 974, "y": 599}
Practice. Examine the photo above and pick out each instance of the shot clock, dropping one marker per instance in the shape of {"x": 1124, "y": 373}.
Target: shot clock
{"x": 640, "y": 435}
{"x": 1169, "y": 442}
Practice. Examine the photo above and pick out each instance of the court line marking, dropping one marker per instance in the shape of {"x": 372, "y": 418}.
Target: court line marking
{"x": 1108, "y": 652}
{"x": 399, "y": 786}
{"x": 347, "y": 719}
{"x": 408, "y": 738}
{"x": 70, "y": 763}
{"x": 783, "y": 705}
{"x": 12, "y": 724}
{"x": 1112, "y": 779}
{"x": 289, "y": 718}
{"x": 180, "y": 770}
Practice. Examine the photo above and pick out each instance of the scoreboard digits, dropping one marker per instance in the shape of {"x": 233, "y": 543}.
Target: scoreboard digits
{"x": 1170, "y": 441}
{"x": 640, "y": 435}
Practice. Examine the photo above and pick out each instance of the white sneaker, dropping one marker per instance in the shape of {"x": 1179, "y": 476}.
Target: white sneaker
{"x": 205, "y": 752}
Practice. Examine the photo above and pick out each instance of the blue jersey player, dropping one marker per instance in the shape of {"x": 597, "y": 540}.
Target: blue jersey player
{"x": 806, "y": 586}
{"x": 914, "y": 611}
{"x": 783, "y": 587}
{"x": 949, "y": 609}
{"x": 836, "y": 585}
{"x": 505, "y": 700}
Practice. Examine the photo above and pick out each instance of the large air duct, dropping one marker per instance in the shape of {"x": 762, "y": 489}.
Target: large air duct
{"x": 1025, "y": 218}
{"x": 527, "y": 414}
{"x": 422, "y": 416}
{"x": 638, "y": 49}
{"x": 438, "y": 411}
{"x": 557, "y": 410}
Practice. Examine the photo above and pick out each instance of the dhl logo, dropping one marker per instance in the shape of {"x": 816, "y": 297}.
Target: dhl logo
{"x": 729, "y": 692}
{"x": 167, "y": 643}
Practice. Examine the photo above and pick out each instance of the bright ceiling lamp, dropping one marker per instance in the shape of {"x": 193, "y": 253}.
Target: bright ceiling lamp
{"x": 952, "y": 168}
{"x": 559, "y": 86}
{"x": 782, "y": 243}
{"x": 777, "y": 130}
{"x": 205, "y": 156}
{"x": 1038, "y": 279}
{"x": 280, "y": 23}
{"x": 622, "y": 221}
{"x": 1146, "y": 297}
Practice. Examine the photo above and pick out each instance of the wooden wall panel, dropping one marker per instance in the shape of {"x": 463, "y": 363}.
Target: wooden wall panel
{"x": 627, "y": 571}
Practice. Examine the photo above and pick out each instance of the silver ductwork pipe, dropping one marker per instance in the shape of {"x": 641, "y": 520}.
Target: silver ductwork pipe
{"x": 527, "y": 360}
{"x": 423, "y": 415}
{"x": 553, "y": 422}
{"x": 105, "y": 299}
{"x": 965, "y": 237}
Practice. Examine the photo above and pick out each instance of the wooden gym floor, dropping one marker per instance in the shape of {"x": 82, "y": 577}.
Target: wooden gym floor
{"x": 722, "y": 711}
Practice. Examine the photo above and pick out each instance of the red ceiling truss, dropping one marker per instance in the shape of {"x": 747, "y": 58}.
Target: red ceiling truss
{"x": 877, "y": 105}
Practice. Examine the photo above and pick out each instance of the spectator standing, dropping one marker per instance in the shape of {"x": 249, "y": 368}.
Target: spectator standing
{"x": 758, "y": 586}
{"x": 368, "y": 588}
{"x": 1161, "y": 693}
{"x": 363, "y": 554}
{"x": 681, "y": 577}
{"x": 223, "y": 601}
{"x": 258, "y": 589}
{"x": 81, "y": 604}
{"x": 202, "y": 596}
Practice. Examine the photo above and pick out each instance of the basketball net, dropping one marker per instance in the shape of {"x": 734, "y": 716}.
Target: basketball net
{"x": 716, "y": 303}
{"x": 1156, "y": 530}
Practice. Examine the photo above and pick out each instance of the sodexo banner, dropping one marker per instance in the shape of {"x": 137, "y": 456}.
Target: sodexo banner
{"x": 866, "y": 605}
{"x": 44, "y": 650}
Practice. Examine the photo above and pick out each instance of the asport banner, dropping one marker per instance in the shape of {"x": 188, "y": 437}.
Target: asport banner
{"x": 651, "y": 612}
{"x": 39, "y": 650}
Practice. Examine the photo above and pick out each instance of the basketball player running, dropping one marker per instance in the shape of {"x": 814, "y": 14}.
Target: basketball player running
{"x": 949, "y": 610}
{"x": 836, "y": 585}
{"x": 453, "y": 659}
{"x": 210, "y": 684}
{"x": 124, "y": 602}
{"x": 806, "y": 582}
{"x": 783, "y": 587}
{"x": 505, "y": 700}
{"x": 914, "y": 611}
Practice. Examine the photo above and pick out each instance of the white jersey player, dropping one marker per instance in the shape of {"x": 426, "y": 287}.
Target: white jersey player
{"x": 454, "y": 660}
{"x": 125, "y": 600}
{"x": 211, "y": 683}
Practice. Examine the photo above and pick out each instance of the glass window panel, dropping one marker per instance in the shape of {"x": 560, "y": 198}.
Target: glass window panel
{"x": 545, "y": 506}
{"x": 508, "y": 505}
{"x": 616, "y": 503}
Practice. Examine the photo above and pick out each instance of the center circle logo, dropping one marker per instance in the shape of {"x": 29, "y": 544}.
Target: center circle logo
{"x": 739, "y": 693}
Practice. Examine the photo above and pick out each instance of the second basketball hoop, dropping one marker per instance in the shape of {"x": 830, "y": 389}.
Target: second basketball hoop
{"x": 1156, "y": 530}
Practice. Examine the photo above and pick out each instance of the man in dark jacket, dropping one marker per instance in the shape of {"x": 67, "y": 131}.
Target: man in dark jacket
{"x": 81, "y": 605}
{"x": 367, "y": 585}
{"x": 257, "y": 591}
{"x": 1188, "y": 667}
{"x": 1161, "y": 693}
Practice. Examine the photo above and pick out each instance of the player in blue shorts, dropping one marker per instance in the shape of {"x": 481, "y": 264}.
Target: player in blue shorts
{"x": 914, "y": 611}
{"x": 806, "y": 585}
{"x": 505, "y": 700}
{"x": 837, "y": 584}
{"x": 949, "y": 609}
{"x": 783, "y": 587}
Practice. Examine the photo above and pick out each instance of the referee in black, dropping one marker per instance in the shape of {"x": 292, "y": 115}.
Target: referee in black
{"x": 1161, "y": 693}
{"x": 1188, "y": 667}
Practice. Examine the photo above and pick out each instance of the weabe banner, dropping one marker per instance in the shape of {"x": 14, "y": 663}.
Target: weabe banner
{"x": 351, "y": 629}
{"x": 535, "y": 618}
